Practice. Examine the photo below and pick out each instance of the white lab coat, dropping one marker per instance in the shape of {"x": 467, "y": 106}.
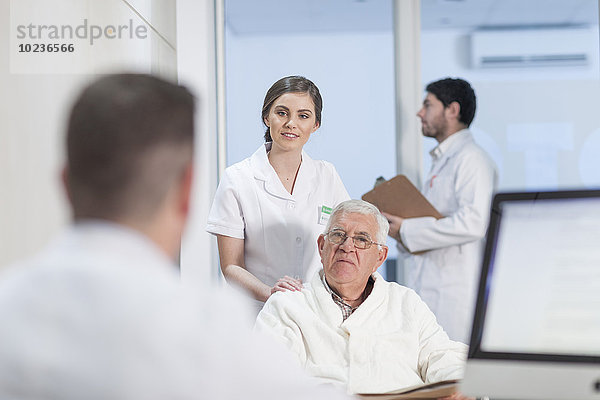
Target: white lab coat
{"x": 101, "y": 314}
{"x": 460, "y": 186}
{"x": 391, "y": 341}
{"x": 279, "y": 229}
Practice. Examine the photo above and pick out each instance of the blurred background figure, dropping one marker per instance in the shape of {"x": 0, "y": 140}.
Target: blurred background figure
{"x": 100, "y": 313}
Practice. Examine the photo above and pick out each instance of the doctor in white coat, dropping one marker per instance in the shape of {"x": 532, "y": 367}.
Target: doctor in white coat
{"x": 443, "y": 255}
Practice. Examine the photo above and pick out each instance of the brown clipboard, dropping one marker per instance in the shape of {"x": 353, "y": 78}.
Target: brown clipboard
{"x": 398, "y": 196}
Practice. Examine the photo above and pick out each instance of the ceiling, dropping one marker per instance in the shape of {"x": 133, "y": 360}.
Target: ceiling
{"x": 303, "y": 16}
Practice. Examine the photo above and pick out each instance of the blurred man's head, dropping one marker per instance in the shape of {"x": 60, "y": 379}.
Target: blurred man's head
{"x": 353, "y": 245}
{"x": 129, "y": 151}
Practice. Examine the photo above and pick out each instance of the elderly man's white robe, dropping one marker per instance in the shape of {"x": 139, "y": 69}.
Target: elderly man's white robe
{"x": 391, "y": 341}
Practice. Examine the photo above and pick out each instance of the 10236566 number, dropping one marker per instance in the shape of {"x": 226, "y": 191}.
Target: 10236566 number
{"x": 46, "y": 48}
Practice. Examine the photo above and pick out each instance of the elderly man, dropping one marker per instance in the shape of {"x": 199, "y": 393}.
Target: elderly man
{"x": 349, "y": 326}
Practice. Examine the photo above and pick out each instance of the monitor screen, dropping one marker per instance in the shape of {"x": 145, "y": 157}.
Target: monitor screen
{"x": 538, "y": 307}
{"x": 545, "y": 293}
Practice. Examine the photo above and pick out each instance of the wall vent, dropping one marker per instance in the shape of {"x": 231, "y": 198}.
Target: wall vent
{"x": 531, "y": 48}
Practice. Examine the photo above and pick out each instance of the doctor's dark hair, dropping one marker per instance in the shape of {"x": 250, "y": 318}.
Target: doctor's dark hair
{"x": 129, "y": 140}
{"x": 449, "y": 90}
{"x": 291, "y": 84}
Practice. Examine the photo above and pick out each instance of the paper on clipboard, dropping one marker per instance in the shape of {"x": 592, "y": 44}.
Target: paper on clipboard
{"x": 398, "y": 196}
{"x": 427, "y": 391}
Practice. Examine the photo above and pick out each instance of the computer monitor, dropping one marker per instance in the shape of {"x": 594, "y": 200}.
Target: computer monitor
{"x": 536, "y": 329}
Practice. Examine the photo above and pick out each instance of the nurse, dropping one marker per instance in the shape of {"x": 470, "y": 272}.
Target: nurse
{"x": 270, "y": 208}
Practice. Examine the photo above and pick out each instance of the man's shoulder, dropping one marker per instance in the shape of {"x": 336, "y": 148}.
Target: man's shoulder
{"x": 46, "y": 268}
{"x": 110, "y": 287}
{"x": 289, "y": 297}
{"x": 397, "y": 288}
{"x": 400, "y": 294}
{"x": 75, "y": 266}
{"x": 293, "y": 304}
{"x": 473, "y": 155}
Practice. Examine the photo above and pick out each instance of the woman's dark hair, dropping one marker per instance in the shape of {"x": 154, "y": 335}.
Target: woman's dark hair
{"x": 291, "y": 84}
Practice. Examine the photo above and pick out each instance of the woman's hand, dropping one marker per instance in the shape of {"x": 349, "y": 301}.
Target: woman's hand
{"x": 287, "y": 284}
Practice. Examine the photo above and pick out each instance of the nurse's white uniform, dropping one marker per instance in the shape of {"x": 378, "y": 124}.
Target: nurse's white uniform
{"x": 279, "y": 229}
{"x": 460, "y": 186}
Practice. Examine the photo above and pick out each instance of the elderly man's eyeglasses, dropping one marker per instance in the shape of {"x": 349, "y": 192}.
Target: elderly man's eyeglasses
{"x": 361, "y": 242}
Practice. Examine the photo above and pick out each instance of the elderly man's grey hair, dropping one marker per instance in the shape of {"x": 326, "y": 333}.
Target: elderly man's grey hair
{"x": 365, "y": 208}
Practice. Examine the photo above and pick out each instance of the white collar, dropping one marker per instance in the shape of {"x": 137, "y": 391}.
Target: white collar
{"x": 451, "y": 144}
{"x": 263, "y": 170}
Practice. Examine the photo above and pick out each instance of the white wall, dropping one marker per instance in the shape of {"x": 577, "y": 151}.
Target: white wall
{"x": 539, "y": 124}
{"x": 34, "y": 106}
{"x": 196, "y": 69}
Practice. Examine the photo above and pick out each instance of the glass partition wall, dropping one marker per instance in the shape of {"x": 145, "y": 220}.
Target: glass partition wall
{"x": 346, "y": 48}
{"x": 535, "y": 72}
{"x": 536, "y": 75}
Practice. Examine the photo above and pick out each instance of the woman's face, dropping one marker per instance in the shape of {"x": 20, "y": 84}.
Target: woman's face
{"x": 291, "y": 120}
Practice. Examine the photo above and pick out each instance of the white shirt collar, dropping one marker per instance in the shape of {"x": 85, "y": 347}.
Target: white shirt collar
{"x": 452, "y": 144}
{"x": 263, "y": 170}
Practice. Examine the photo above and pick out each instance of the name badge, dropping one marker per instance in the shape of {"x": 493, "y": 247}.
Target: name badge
{"x": 324, "y": 215}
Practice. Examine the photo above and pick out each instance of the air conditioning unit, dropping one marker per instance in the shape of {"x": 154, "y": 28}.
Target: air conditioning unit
{"x": 532, "y": 47}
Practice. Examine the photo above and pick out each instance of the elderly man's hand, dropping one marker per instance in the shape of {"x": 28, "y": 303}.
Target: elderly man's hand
{"x": 395, "y": 224}
{"x": 287, "y": 283}
{"x": 457, "y": 396}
